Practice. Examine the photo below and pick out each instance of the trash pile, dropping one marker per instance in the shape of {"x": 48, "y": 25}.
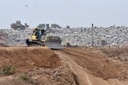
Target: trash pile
{"x": 98, "y": 36}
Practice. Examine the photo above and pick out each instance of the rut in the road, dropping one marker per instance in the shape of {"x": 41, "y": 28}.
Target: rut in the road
{"x": 95, "y": 63}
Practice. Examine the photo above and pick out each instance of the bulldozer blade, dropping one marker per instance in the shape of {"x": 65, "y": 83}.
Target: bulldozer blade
{"x": 54, "y": 45}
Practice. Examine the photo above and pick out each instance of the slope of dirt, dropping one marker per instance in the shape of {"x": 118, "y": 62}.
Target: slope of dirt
{"x": 58, "y": 76}
{"x": 95, "y": 62}
{"x": 69, "y": 66}
{"x": 84, "y": 78}
{"x": 117, "y": 53}
{"x": 28, "y": 58}
{"x": 34, "y": 66}
{"x": 94, "y": 67}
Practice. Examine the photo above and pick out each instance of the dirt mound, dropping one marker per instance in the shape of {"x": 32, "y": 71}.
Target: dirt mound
{"x": 117, "y": 53}
{"x": 28, "y": 58}
{"x": 94, "y": 62}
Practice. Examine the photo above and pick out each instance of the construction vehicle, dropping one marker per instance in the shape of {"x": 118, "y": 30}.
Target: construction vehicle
{"x": 39, "y": 38}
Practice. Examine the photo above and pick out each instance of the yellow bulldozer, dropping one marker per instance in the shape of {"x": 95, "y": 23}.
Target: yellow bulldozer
{"x": 39, "y": 38}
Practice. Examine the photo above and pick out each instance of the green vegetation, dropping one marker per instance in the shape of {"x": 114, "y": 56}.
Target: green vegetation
{"x": 25, "y": 77}
{"x": 7, "y": 70}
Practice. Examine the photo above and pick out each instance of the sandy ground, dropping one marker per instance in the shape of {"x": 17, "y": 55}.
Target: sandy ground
{"x": 69, "y": 66}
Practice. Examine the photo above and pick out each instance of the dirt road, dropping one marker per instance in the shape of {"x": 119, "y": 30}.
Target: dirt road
{"x": 69, "y": 66}
{"x": 92, "y": 67}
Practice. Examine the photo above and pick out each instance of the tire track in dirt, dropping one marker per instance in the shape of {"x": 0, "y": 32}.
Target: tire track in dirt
{"x": 75, "y": 59}
{"x": 81, "y": 75}
{"x": 96, "y": 64}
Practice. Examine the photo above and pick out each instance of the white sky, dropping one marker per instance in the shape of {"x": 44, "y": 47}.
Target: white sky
{"x": 76, "y": 13}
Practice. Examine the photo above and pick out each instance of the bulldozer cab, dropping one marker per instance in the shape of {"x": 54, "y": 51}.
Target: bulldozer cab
{"x": 38, "y": 33}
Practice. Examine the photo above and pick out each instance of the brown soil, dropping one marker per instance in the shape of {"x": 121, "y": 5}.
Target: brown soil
{"x": 28, "y": 58}
{"x": 69, "y": 66}
{"x": 40, "y": 64}
{"x": 93, "y": 66}
{"x": 95, "y": 62}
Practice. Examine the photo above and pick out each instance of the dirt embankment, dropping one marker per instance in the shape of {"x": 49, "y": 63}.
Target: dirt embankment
{"x": 93, "y": 66}
{"x": 34, "y": 66}
{"x": 94, "y": 62}
{"x": 28, "y": 58}
{"x": 69, "y": 66}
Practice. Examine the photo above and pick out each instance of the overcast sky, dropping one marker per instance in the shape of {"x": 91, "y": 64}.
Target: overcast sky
{"x": 76, "y": 13}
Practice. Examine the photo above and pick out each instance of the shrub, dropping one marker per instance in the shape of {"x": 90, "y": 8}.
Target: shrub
{"x": 7, "y": 70}
{"x": 25, "y": 77}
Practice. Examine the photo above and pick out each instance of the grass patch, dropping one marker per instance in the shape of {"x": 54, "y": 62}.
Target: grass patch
{"x": 7, "y": 70}
{"x": 25, "y": 77}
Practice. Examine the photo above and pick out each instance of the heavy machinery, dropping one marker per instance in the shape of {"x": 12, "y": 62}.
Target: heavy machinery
{"x": 39, "y": 38}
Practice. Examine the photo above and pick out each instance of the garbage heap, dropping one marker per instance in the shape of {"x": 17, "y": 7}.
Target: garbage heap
{"x": 98, "y": 36}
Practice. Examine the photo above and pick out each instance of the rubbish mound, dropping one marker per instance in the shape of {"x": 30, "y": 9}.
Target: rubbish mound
{"x": 3, "y": 39}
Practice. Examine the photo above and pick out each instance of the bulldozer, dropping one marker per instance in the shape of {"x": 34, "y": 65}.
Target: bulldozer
{"x": 39, "y": 38}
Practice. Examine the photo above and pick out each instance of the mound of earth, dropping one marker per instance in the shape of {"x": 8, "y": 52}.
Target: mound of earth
{"x": 95, "y": 62}
{"x": 94, "y": 66}
{"x": 68, "y": 66}
{"x": 117, "y": 53}
{"x": 58, "y": 76}
{"x": 28, "y": 58}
